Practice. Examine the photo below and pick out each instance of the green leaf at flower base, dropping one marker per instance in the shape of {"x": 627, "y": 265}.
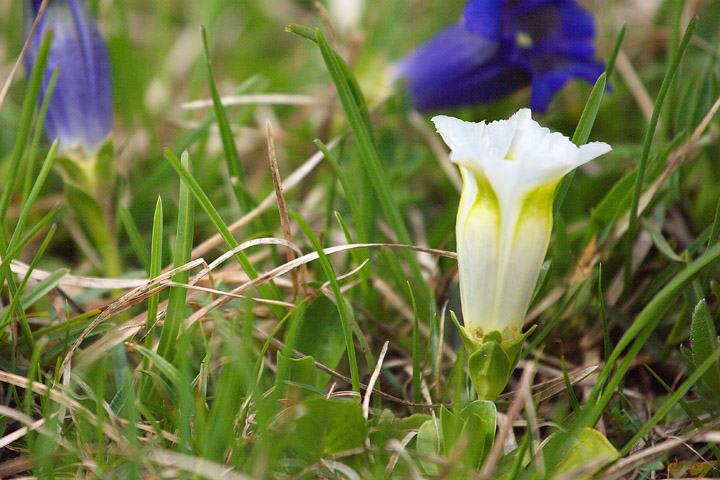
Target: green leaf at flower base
{"x": 327, "y": 427}
{"x": 320, "y": 335}
{"x": 300, "y": 371}
{"x": 478, "y": 431}
{"x": 704, "y": 342}
{"x": 450, "y": 427}
{"x": 472, "y": 430}
{"x": 428, "y": 445}
{"x": 490, "y": 369}
{"x": 589, "y": 448}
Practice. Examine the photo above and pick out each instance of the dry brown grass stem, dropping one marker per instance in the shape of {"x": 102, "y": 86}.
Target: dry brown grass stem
{"x": 635, "y": 85}
{"x": 691, "y": 147}
{"x": 62, "y": 399}
{"x": 121, "y": 304}
{"x": 290, "y": 182}
{"x": 199, "y": 466}
{"x": 373, "y": 379}
{"x": 282, "y": 206}
{"x": 549, "y": 389}
{"x": 642, "y": 457}
{"x": 307, "y": 258}
{"x": 257, "y": 99}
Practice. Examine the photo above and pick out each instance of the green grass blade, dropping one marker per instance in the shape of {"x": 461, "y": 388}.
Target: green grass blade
{"x": 33, "y": 195}
{"x": 232, "y": 158}
{"x": 19, "y": 302}
{"x": 643, "y": 325}
{"x": 183, "y": 250}
{"x": 607, "y": 344}
{"x": 156, "y": 252}
{"x": 650, "y": 133}
{"x": 672, "y": 401}
{"x": 219, "y": 224}
{"x": 371, "y": 162}
{"x": 587, "y": 119}
{"x": 355, "y": 209}
{"x": 32, "y": 151}
{"x": 616, "y": 50}
{"x": 20, "y": 244}
{"x": 339, "y": 300}
{"x": 26, "y": 117}
{"x": 637, "y": 335}
{"x": 416, "y": 377}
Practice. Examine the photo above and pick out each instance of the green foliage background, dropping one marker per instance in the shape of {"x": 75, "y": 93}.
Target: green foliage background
{"x": 221, "y": 399}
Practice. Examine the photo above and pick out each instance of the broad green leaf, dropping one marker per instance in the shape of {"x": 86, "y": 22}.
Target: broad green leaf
{"x": 704, "y": 342}
{"x": 490, "y": 370}
{"x": 590, "y": 447}
{"x": 301, "y": 371}
{"x": 450, "y": 425}
{"x": 328, "y": 427}
{"x": 320, "y": 335}
{"x": 479, "y": 431}
{"x": 428, "y": 444}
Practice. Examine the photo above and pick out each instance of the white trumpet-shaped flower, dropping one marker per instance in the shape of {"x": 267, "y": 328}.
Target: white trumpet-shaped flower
{"x": 510, "y": 171}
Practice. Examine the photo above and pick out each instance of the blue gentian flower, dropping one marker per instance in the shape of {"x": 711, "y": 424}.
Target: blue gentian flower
{"x": 80, "y": 110}
{"x": 500, "y": 46}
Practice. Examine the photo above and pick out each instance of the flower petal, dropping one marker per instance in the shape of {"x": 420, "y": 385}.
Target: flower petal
{"x": 80, "y": 110}
{"x": 484, "y": 18}
{"x": 501, "y": 46}
{"x": 545, "y": 84}
{"x": 458, "y": 67}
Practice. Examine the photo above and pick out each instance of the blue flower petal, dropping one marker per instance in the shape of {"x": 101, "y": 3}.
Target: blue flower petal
{"x": 546, "y": 84}
{"x": 484, "y": 18}
{"x": 80, "y": 110}
{"x": 458, "y": 67}
{"x": 500, "y": 46}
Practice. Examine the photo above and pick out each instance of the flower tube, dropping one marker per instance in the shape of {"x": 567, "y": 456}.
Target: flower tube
{"x": 500, "y": 46}
{"x": 80, "y": 110}
{"x": 510, "y": 171}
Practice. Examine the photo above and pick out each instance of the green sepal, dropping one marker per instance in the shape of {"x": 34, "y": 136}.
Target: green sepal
{"x": 490, "y": 370}
{"x": 105, "y": 165}
{"x": 428, "y": 445}
{"x": 95, "y": 172}
{"x": 73, "y": 170}
{"x": 513, "y": 347}
{"x": 469, "y": 340}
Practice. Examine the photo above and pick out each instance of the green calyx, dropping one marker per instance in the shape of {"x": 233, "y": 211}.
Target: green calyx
{"x": 491, "y": 360}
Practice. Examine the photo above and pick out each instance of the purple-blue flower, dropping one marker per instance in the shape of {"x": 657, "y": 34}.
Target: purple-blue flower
{"x": 80, "y": 109}
{"x": 500, "y": 46}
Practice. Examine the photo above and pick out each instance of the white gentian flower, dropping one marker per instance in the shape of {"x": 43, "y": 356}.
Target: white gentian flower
{"x": 346, "y": 15}
{"x": 510, "y": 171}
